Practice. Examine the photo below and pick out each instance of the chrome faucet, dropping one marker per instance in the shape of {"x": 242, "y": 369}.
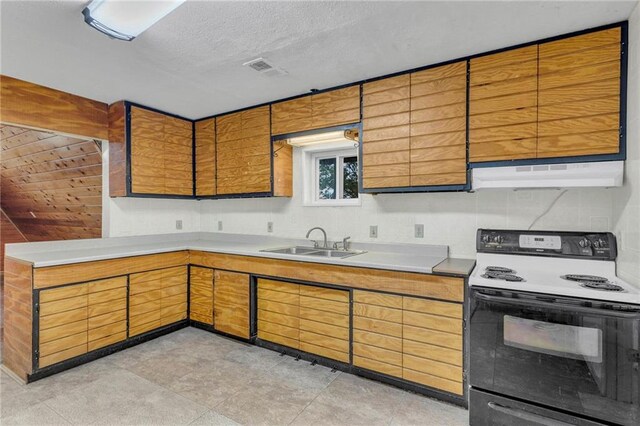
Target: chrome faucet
{"x": 315, "y": 243}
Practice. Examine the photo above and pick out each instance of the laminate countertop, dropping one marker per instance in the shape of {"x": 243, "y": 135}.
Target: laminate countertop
{"x": 421, "y": 258}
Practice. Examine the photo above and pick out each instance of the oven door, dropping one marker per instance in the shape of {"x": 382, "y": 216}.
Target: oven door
{"x": 571, "y": 354}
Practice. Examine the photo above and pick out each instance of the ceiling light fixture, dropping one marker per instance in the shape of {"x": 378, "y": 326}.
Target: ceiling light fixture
{"x": 127, "y": 19}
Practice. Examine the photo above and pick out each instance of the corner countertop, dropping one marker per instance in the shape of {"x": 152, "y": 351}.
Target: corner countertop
{"x": 419, "y": 258}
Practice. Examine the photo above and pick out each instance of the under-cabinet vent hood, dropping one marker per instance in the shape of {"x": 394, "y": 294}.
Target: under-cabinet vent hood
{"x": 574, "y": 175}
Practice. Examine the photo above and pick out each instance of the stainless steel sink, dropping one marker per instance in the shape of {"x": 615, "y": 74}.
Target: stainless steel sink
{"x": 319, "y": 252}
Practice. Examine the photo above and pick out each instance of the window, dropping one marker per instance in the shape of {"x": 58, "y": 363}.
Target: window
{"x": 333, "y": 178}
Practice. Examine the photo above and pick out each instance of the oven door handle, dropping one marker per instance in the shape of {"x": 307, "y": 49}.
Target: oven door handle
{"x": 526, "y": 415}
{"x": 537, "y": 303}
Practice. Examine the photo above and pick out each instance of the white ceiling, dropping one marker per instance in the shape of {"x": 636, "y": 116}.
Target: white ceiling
{"x": 190, "y": 63}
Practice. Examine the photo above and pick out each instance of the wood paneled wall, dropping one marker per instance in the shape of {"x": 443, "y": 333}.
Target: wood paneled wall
{"x": 32, "y": 105}
{"x": 8, "y": 234}
{"x": 51, "y": 185}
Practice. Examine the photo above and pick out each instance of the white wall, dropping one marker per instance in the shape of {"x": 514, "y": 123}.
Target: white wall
{"x": 143, "y": 216}
{"x": 449, "y": 218}
{"x": 627, "y": 199}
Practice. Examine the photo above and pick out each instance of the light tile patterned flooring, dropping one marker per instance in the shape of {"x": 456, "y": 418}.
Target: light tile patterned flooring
{"x": 192, "y": 377}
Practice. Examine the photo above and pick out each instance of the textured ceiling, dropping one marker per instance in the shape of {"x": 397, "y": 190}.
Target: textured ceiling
{"x": 190, "y": 63}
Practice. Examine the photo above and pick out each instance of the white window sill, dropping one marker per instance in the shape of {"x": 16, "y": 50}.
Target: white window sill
{"x": 334, "y": 203}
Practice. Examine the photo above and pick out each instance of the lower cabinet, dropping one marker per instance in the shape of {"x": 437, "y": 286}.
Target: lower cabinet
{"x": 309, "y": 318}
{"x": 201, "y": 295}
{"x": 157, "y": 298}
{"x": 231, "y": 305}
{"x": 419, "y": 340}
{"x": 80, "y": 318}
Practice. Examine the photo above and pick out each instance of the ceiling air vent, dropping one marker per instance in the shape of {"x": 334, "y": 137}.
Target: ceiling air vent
{"x": 264, "y": 67}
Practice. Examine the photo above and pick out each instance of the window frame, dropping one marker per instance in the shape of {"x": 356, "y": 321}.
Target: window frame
{"x": 312, "y": 177}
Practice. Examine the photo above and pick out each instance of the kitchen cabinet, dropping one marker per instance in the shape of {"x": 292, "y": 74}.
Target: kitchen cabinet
{"x": 279, "y": 312}
{"x": 80, "y": 318}
{"x": 205, "y": 157}
{"x": 157, "y": 298}
{"x": 414, "y": 130}
{"x": 503, "y": 99}
{"x": 306, "y": 317}
{"x": 231, "y": 303}
{"x": 243, "y": 145}
{"x": 150, "y": 152}
{"x": 327, "y": 109}
{"x": 201, "y": 294}
{"x": 549, "y": 100}
{"x": 579, "y": 95}
{"x": 419, "y": 340}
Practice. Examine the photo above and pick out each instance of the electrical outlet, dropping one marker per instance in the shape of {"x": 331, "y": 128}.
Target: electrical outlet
{"x": 178, "y": 224}
{"x": 419, "y": 231}
{"x": 269, "y": 226}
{"x": 373, "y": 231}
{"x": 219, "y": 225}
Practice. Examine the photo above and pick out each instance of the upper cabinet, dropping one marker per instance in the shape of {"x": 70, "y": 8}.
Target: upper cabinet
{"x": 549, "y": 100}
{"x": 579, "y": 95}
{"x": 327, "y": 109}
{"x": 243, "y": 146}
{"x": 414, "y": 130}
{"x": 503, "y": 97}
{"x": 205, "y": 153}
{"x": 150, "y": 152}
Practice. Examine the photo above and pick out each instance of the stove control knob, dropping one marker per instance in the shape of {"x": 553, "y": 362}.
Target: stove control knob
{"x": 601, "y": 243}
{"x": 485, "y": 238}
{"x": 584, "y": 243}
{"x": 498, "y": 239}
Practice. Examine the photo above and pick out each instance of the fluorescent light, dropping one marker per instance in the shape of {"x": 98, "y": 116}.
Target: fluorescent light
{"x": 339, "y": 136}
{"x": 127, "y": 19}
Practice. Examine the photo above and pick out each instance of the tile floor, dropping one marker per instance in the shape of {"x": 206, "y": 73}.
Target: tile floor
{"x": 193, "y": 377}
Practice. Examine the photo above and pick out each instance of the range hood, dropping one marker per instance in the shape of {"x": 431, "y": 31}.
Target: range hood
{"x": 574, "y": 175}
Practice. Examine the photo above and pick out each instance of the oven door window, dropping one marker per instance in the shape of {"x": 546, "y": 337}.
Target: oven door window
{"x": 566, "y": 341}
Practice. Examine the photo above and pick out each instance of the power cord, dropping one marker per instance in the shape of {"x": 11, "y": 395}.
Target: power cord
{"x": 544, "y": 213}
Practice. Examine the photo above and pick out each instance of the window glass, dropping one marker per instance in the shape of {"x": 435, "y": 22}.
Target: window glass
{"x": 327, "y": 189}
{"x": 350, "y": 177}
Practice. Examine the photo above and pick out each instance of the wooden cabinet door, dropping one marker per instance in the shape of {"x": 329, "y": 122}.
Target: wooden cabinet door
{"x": 107, "y": 312}
{"x": 62, "y": 324}
{"x": 147, "y": 151}
{"x": 231, "y": 303}
{"x": 377, "y": 332}
{"x": 503, "y": 99}
{"x": 279, "y": 312}
{"x": 161, "y": 153}
{"x": 386, "y": 131}
{"x": 205, "y": 157}
{"x": 432, "y": 343}
{"x": 324, "y": 322}
{"x": 438, "y": 126}
{"x": 243, "y": 143}
{"x": 201, "y": 295}
{"x": 328, "y": 109}
{"x": 157, "y": 298}
{"x": 579, "y": 95}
